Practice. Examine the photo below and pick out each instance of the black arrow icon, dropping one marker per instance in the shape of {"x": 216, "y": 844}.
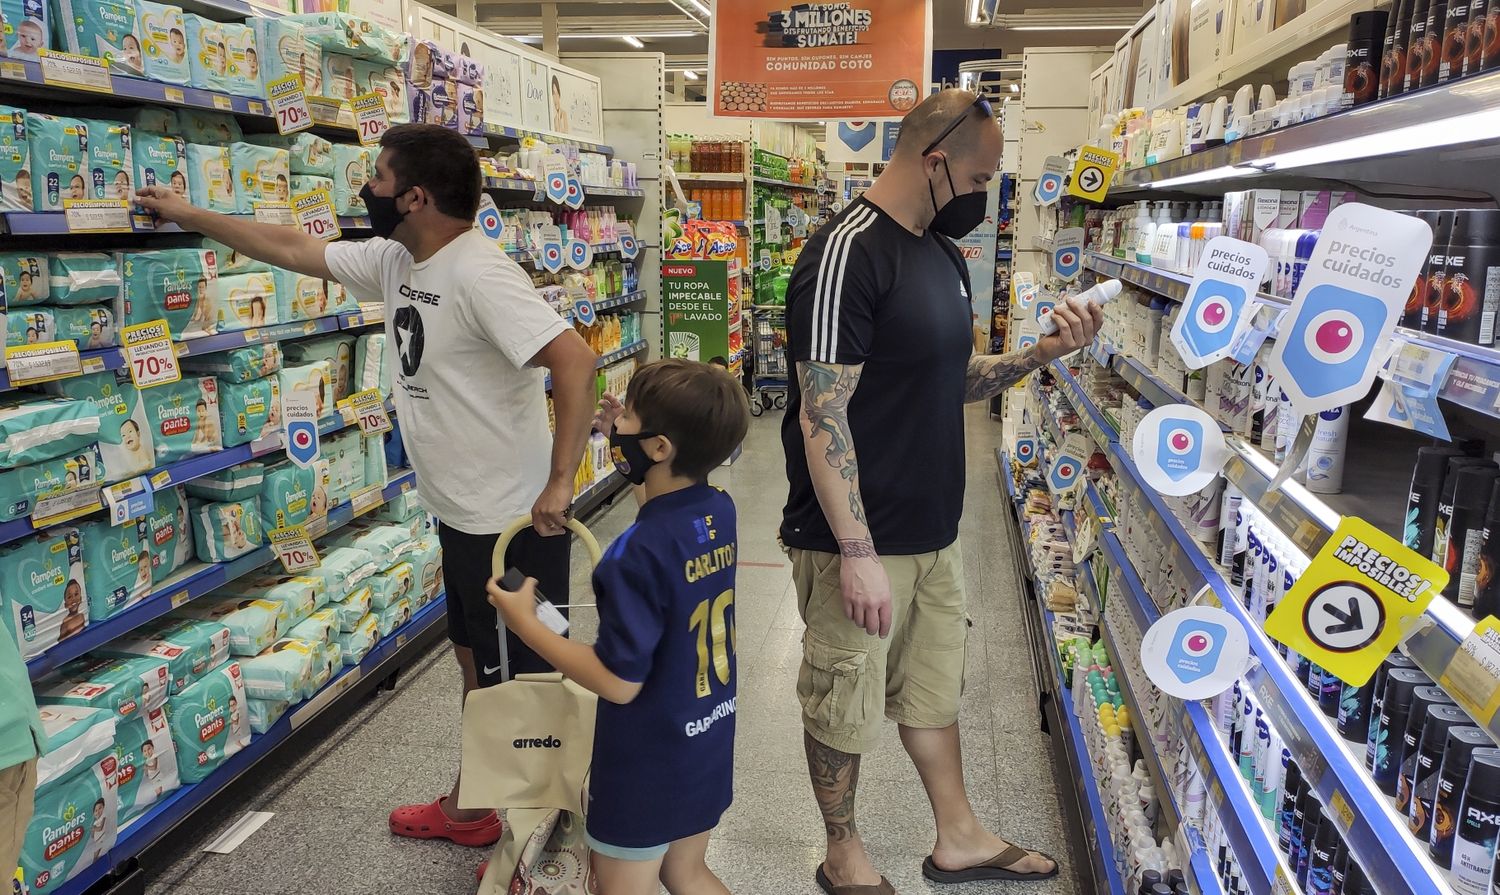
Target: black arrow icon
{"x": 1348, "y": 621}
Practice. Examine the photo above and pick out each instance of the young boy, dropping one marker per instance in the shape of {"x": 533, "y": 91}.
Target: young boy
{"x": 664, "y": 659}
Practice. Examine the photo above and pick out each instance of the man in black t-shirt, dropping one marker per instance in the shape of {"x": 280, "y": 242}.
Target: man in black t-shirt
{"x": 878, "y": 323}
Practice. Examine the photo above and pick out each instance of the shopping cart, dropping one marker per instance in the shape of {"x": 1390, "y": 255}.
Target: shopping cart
{"x": 768, "y": 381}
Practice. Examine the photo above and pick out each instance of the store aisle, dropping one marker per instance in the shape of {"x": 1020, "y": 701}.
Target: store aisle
{"x": 329, "y": 832}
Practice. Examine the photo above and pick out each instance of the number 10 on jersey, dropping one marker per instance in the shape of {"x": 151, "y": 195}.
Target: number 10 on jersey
{"x": 715, "y": 640}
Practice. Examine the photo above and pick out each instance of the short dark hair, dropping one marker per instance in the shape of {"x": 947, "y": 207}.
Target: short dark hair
{"x": 699, "y": 407}
{"x": 439, "y": 161}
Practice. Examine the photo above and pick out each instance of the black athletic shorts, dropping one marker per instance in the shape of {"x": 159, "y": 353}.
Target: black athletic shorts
{"x": 472, "y": 621}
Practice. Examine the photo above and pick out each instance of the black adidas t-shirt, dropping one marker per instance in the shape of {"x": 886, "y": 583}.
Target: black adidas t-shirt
{"x": 865, "y": 290}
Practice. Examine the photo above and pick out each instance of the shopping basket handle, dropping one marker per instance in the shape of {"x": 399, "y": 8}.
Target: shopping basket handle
{"x": 497, "y": 562}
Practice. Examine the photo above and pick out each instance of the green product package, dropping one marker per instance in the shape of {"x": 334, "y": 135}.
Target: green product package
{"x": 125, "y": 442}
{"x": 15, "y": 156}
{"x": 250, "y": 410}
{"x": 281, "y": 672}
{"x": 161, "y": 160}
{"x": 299, "y": 297}
{"x": 351, "y": 35}
{"x": 145, "y": 762}
{"x": 24, "y": 486}
{"x": 327, "y": 663}
{"x": 291, "y": 495}
{"x": 171, "y": 534}
{"x": 314, "y": 379}
{"x": 87, "y": 328}
{"x": 175, "y": 285}
{"x": 353, "y": 166}
{"x": 343, "y": 569}
{"x": 245, "y": 300}
{"x": 41, "y": 581}
{"x": 386, "y": 544}
{"x": 391, "y": 586}
{"x": 35, "y": 429}
{"x": 212, "y": 128}
{"x": 59, "y": 159}
{"x": 261, "y": 174}
{"x": 318, "y": 627}
{"x": 352, "y": 608}
{"x": 123, "y": 686}
{"x": 427, "y": 566}
{"x": 110, "y": 160}
{"x": 164, "y": 40}
{"x": 230, "y": 261}
{"x": 239, "y": 482}
{"x": 211, "y": 174}
{"x": 190, "y": 647}
{"x": 311, "y": 183}
{"x": 344, "y": 455}
{"x": 226, "y": 530}
{"x": 301, "y": 596}
{"x": 253, "y": 624}
{"x": 309, "y": 153}
{"x": 394, "y": 616}
{"x": 238, "y": 364}
{"x": 337, "y": 351}
{"x": 83, "y": 278}
{"x": 266, "y": 712}
{"x": 208, "y": 57}
{"x": 117, "y": 565}
{"x": 105, "y": 29}
{"x": 76, "y": 806}
{"x": 153, "y": 120}
{"x": 25, "y": 278}
{"x": 210, "y": 722}
{"x": 185, "y": 416}
{"x": 356, "y": 644}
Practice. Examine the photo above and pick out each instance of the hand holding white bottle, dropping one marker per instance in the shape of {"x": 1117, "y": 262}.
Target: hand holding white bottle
{"x": 1100, "y": 294}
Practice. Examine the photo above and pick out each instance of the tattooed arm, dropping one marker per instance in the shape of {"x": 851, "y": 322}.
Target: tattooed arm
{"x": 833, "y": 465}
{"x": 991, "y": 374}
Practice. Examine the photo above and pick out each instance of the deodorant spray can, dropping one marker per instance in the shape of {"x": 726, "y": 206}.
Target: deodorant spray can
{"x": 1362, "y": 55}
{"x": 1422, "y": 500}
{"x": 1417, "y": 719}
{"x": 1411, "y": 317}
{"x": 1229, "y": 525}
{"x": 1471, "y": 502}
{"x": 1487, "y": 569}
{"x": 1320, "y": 862}
{"x": 1357, "y": 706}
{"x": 1478, "y": 824}
{"x": 1436, "y": 271}
{"x": 1384, "y": 749}
{"x": 1445, "y": 504}
{"x": 1442, "y": 804}
{"x": 1416, "y": 35}
{"x": 1422, "y": 71}
{"x": 1442, "y": 720}
{"x": 1325, "y": 457}
{"x": 1393, "y": 58}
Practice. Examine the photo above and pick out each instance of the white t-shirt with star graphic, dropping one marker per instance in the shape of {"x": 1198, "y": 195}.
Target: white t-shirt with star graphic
{"x": 462, "y": 328}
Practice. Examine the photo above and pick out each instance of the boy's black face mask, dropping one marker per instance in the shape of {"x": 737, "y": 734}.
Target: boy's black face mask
{"x": 630, "y": 458}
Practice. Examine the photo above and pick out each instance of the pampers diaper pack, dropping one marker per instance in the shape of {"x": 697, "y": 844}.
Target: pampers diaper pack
{"x": 153, "y": 120}
{"x": 15, "y": 157}
{"x": 210, "y": 722}
{"x": 339, "y": 298}
{"x": 83, "y": 278}
{"x": 344, "y": 453}
{"x": 300, "y": 595}
{"x": 245, "y": 300}
{"x": 230, "y": 261}
{"x": 283, "y": 672}
{"x": 266, "y": 712}
{"x": 261, "y": 174}
{"x": 87, "y": 327}
{"x": 30, "y": 326}
{"x": 211, "y": 176}
{"x": 76, "y": 816}
{"x": 370, "y": 368}
{"x": 116, "y": 564}
{"x": 212, "y": 128}
{"x": 238, "y": 364}
{"x": 253, "y": 625}
{"x": 308, "y": 152}
{"x": 352, "y": 609}
{"x": 312, "y": 378}
{"x": 393, "y": 616}
{"x": 327, "y": 663}
{"x": 242, "y": 73}
{"x": 103, "y": 28}
{"x": 223, "y": 531}
{"x": 352, "y": 167}
{"x": 164, "y": 41}
{"x": 189, "y": 647}
{"x": 299, "y": 296}
{"x": 311, "y": 183}
{"x": 282, "y": 45}
{"x": 427, "y": 566}
{"x": 33, "y": 429}
{"x": 160, "y": 159}
{"x": 124, "y": 686}
{"x": 59, "y": 159}
{"x": 399, "y": 509}
{"x": 208, "y": 55}
{"x": 145, "y": 762}
{"x": 355, "y": 36}
{"x": 338, "y": 76}
{"x": 376, "y": 472}
{"x": 389, "y": 82}
{"x": 241, "y": 482}
{"x": 337, "y": 351}
{"x": 171, "y": 534}
{"x": 343, "y": 570}
{"x": 170, "y": 284}
{"x": 41, "y": 581}
{"x": 356, "y": 644}
{"x": 185, "y": 415}
{"x": 110, "y": 161}
{"x": 125, "y": 442}
{"x": 24, "y": 278}
{"x": 249, "y": 410}
{"x": 291, "y": 495}
{"x": 317, "y": 627}
{"x": 25, "y": 29}
{"x": 395, "y": 583}
{"x": 24, "y": 486}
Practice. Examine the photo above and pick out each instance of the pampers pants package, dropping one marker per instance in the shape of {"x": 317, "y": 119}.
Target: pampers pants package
{"x": 223, "y": 531}
{"x": 41, "y": 579}
{"x": 370, "y": 368}
{"x": 26, "y": 485}
{"x": 76, "y": 817}
{"x": 352, "y": 167}
{"x": 191, "y": 648}
{"x": 337, "y": 351}
{"x": 83, "y": 278}
{"x": 175, "y": 285}
{"x": 110, "y": 161}
{"x": 210, "y": 722}
{"x": 145, "y": 762}
{"x": 238, "y": 364}
{"x": 26, "y": 29}
{"x": 117, "y": 565}
{"x": 211, "y": 176}
{"x": 103, "y": 28}
{"x": 299, "y": 296}
{"x": 185, "y": 415}
{"x": 160, "y": 159}
{"x": 291, "y": 495}
{"x": 33, "y": 429}
{"x": 125, "y": 442}
{"x": 261, "y": 174}
{"x": 245, "y": 300}
{"x": 308, "y": 153}
{"x": 249, "y": 410}
{"x": 164, "y": 40}
{"x": 124, "y": 686}
{"x": 208, "y": 56}
{"x": 170, "y": 532}
{"x": 242, "y": 71}
{"x": 15, "y": 158}
{"x": 59, "y": 159}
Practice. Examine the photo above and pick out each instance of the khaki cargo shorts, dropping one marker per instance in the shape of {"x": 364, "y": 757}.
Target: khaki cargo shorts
{"x": 850, "y": 679}
{"x": 17, "y": 786}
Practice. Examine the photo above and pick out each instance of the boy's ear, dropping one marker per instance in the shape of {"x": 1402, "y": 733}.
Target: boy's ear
{"x": 661, "y": 449}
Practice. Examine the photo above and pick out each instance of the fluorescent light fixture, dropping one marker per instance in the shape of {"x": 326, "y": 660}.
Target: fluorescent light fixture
{"x": 973, "y": 15}
{"x": 698, "y": 5}
{"x": 1223, "y": 172}
{"x": 1067, "y": 27}
{"x": 1015, "y": 88}
{"x": 1469, "y": 128}
{"x": 633, "y": 41}
{"x": 690, "y": 74}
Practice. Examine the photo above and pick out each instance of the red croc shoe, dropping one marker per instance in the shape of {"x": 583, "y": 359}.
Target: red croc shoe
{"x": 430, "y": 822}
{"x": 479, "y": 874}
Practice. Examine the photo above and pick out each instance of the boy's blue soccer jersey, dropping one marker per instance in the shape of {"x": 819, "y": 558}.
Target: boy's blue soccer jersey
{"x": 664, "y": 764}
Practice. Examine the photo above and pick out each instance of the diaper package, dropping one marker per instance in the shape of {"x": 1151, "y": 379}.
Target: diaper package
{"x": 376, "y": 472}
{"x": 344, "y": 569}
{"x": 325, "y": 665}
{"x": 358, "y": 37}
{"x": 307, "y": 153}
{"x": 389, "y": 82}
{"x": 299, "y": 296}
{"x": 241, "y": 482}
{"x": 211, "y": 128}
{"x": 427, "y": 567}
{"x": 117, "y": 565}
{"x": 313, "y": 378}
{"x": 190, "y": 647}
{"x": 311, "y": 183}
{"x": 145, "y": 761}
{"x": 223, "y": 531}
{"x": 339, "y": 298}
{"x": 353, "y": 165}
{"x": 162, "y": 160}
{"x": 237, "y": 364}
{"x": 352, "y": 609}
{"x": 253, "y": 624}
{"x": 125, "y": 443}
{"x": 250, "y": 410}
{"x": 25, "y": 29}
{"x": 30, "y": 326}
{"x": 242, "y": 71}
{"x": 227, "y": 260}
{"x": 41, "y": 581}
{"x": 208, "y": 55}
{"x": 338, "y": 76}
{"x": 429, "y": 61}
{"x": 175, "y": 285}
{"x": 164, "y": 39}
{"x": 76, "y": 815}
{"x": 59, "y": 159}
{"x": 210, "y": 173}
{"x": 356, "y": 644}
{"x": 110, "y": 161}
{"x": 82, "y": 278}
{"x": 317, "y": 628}
{"x": 435, "y": 104}
{"x": 245, "y": 300}
{"x": 24, "y": 486}
{"x": 393, "y": 616}
{"x": 470, "y": 105}
{"x": 343, "y": 451}
{"x": 34, "y": 429}
{"x": 25, "y": 277}
{"x": 171, "y": 534}
{"x": 261, "y": 174}
{"x": 185, "y": 415}
{"x": 291, "y": 495}
{"x": 88, "y": 328}
{"x": 15, "y": 154}
{"x": 282, "y": 672}
{"x": 370, "y": 368}
{"x": 282, "y": 45}
{"x": 399, "y": 509}
{"x": 210, "y": 722}
{"x": 337, "y": 351}
{"x": 103, "y": 28}
{"x": 266, "y": 712}
{"x": 124, "y": 686}
{"x": 153, "y": 120}
{"x": 394, "y": 584}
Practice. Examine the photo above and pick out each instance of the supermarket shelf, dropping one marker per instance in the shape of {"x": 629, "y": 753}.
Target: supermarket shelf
{"x": 367, "y": 315}
{"x": 350, "y": 683}
{"x": 55, "y": 223}
{"x": 1042, "y": 243}
{"x": 16, "y": 73}
{"x": 526, "y": 256}
{"x": 771, "y": 181}
{"x": 617, "y": 355}
{"x": 597, "y": 495}
{"x": 530, "y": 187}
{"x": 506, "y": 132}
{"x": 605, "y": 304}
{"x": 188, "y": 585}
{"x": 712, "y": 177}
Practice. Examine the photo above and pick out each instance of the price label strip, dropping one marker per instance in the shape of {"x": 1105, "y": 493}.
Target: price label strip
{"x": 288, "y": 100}
{"x": 52, "y": 510}
{"x": 315, "y": 215}
{"x": 149, "y": 354}
{"x": 369, "y": 411}
{"x": 369, "y": 117}
{"x": 78, "y": 72}
{"x": 43, "y": 362}
{"x": 278, "y": 213}
{"x": 1473, "y": 674}
{"x": 97, "y": 215}
{"x": 366, "y": 499}
{"x": 294, "y": 547}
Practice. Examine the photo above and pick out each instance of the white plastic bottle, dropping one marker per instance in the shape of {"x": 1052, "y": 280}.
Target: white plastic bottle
{"x": 1325, "y": 458}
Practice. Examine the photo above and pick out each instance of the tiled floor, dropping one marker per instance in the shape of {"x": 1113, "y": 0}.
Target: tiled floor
{"x": 329, "y": 832}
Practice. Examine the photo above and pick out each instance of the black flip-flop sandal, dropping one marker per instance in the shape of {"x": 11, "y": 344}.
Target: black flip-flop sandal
{"x": 995, "y": 868}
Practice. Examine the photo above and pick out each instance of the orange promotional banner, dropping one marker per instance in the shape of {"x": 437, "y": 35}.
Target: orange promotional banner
{"x": 849, "y": 59}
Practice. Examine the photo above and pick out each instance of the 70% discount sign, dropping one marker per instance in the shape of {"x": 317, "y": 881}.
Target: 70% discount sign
{"x": 314, "y": 213}
{"x": 369, "y": 411}
{"x": 150, "y": 354}
{"x": 288, "y": 100}
{"x": 294, "y": 547}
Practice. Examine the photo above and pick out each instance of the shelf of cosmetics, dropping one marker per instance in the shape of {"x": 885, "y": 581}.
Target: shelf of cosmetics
{"x": 1388, "y": 52}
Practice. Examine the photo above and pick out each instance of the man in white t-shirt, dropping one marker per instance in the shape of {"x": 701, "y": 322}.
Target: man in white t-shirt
{"x": 470, "y": 338}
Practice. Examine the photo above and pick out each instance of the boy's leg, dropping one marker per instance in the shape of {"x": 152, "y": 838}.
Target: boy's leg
{"x": 626, "y": 876}
{"x": 685, "y": 871}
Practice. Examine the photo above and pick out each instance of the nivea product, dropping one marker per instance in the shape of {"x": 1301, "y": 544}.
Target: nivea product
{"x": 15, "y": 159}
{"x": 164, "y": 42}
{"x": 103, "y": 28}
{"x": 1325, "y": 457}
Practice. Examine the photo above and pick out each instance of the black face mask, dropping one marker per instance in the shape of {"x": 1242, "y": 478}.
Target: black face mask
{"x": 384, "y": 218}
{"x": 960, "y": 215}
{"x": 630, "y": 458}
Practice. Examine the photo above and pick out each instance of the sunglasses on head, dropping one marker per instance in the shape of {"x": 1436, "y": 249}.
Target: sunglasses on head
{"x": 979, "y": 103}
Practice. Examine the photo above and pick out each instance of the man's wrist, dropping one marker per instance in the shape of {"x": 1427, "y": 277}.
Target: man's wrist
{"x": 857, "y": 548}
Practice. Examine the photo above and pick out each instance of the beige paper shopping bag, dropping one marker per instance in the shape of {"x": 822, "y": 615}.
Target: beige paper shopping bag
{"x": 542, "y": 852}
{"x": 527, "y": 744}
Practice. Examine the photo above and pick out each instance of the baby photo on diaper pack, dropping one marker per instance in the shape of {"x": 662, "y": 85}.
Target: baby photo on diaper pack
{"x": 88, "y": 328}
{"x": 250, "y": 410}
{"x": 145, "y": 762}
{"x": 41, "y": 581}
{"x": 389, "y": 83}
{"x": 175, "y": 285}
{"x": 253, "y": 624}
{"x": 24, "y": 486}
{"x": 242, "y": 73}
{"x": 190, "y": 647}
{"x": 171, "y": 535}
{"x": 352, "y": 167}
{"x": 313, "y": 379}
{"x": 76, "y": 817}
{"x": 103, "y": 28}
{"x": 124, "y": 433}
{"x": 110, "y": 162}
{"x": 245, "y": 300}
{"x": 208, "y": 56}
{"x": 356, "y": 644}
{"x": 212, "y": 176}
{"x": 210, "y": 722}
{"x": 59, "y": 159}
{"x": 24, "y": 278}
{"x": 212, "y": 128}
{"x": 223, "y": 531}
{"x": 337, "y": 351}
{"x": 238, "y": 364}
{"x": 308, "y": 153}
{"x": 291, "y": 495}
{"x": 282, "y": 45}
{"x": 164, "y": 37}
{"x": 124, "y": 686}
{"x": 26, "y": 32}
{"x": 299, "y": 296}
{"x": 117, "y": 565}
{"x": 261, "y": 174}
{"x": 185, "y": 417}
{"x": 15, "y": 157}
{"x": 338, "y": 76}
{"x": 162, "y": 160}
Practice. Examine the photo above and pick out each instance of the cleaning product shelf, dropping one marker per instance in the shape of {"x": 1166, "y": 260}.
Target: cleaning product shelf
{"x": 189, "y": 584}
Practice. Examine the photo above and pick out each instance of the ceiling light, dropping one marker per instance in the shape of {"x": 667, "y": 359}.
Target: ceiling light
{"x": 633, "y": 41}
{"x": 690, "y": 74}
{"x": 1221, "y": 173}
{"x": 698, "y": 5}
{"x": 973, "y": 16}
{"x": 1068, "y": 27}
{"x": 1015, "y": 88}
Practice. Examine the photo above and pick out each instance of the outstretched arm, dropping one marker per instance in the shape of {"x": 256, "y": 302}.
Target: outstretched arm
{"x": 991, "y": 374}
{"x": 277, "y": 245}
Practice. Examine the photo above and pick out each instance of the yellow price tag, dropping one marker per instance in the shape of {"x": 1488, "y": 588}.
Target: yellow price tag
{"x": 1092, "y": 172}
{"x": 1473, "y": 674}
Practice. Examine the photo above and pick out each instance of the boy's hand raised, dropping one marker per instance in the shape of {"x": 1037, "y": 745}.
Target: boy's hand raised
{"x": 516, "y": 607}
{"x": 610, "y": 409}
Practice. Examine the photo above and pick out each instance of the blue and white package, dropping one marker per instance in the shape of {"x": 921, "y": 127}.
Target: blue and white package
{"x": 190, "y": 647}
{"x": 261, "y": 174}
{"x": 83, "y": 278}
{"x": 301, "y": 595}
{"x": 170, "y": 532}
{"x": 253, "y": 624}
{"x": 343, "y": 570}
{"x": 283, "y": 672}
{"x": 25, "y": 32}
{"x": 185, "y": 415}
{"x": 111, "y": 163}
{"x": 59, "y": 159}
{"x": 24, "y": 486}
{"x": 242, "y": 72}
{"x": 337, "y": 351}
{"x": 15, "y": 156}
{"x": 282, "y": 44}
{"x": 212, "y": 177}
{"x": 124, "y": 686}
{"x": 357, "y": 643}
{"x": 210, "y": 128}
{"x": 308, "y": 153}
{"x": 224, "y": 531}
{"x": 41, "y": 583}
{"x": 299, "y": 296}
{"x": 289, "y": 495}
{"x": 250, "y": 410}
{"x": 338, "y": 76}
{"x": 87, "y": 327}
{"x": 76, "y": 817}
{"x": 245, "y": 301}
{"x": 376, "y": 472}
{"x": 175, "y": 285}
{"x": 103, "y": 28}
{"x": 353, "y": 165}
{"x": 238, "y": 364}
{"x": 25, "y": 278}
{"x": 208, "y": 56}
{"x": 370, "y": 367}
{"x": 162, "y": 161}
{"x": 389, "y": 83}
{"x": 164, "y": 41}
{"x": 117, "y": 565}
{"x": 210, "y": 722}
{"x": 34, "y": 428}
{"x": 145, "y": 762}
{"x": 125, "y": 441}
{"x": 239, "y": 482}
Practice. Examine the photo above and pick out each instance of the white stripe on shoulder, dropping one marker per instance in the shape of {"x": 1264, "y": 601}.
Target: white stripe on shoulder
{"x": 825, "y": 323}
{"x": 838, "y": 292}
